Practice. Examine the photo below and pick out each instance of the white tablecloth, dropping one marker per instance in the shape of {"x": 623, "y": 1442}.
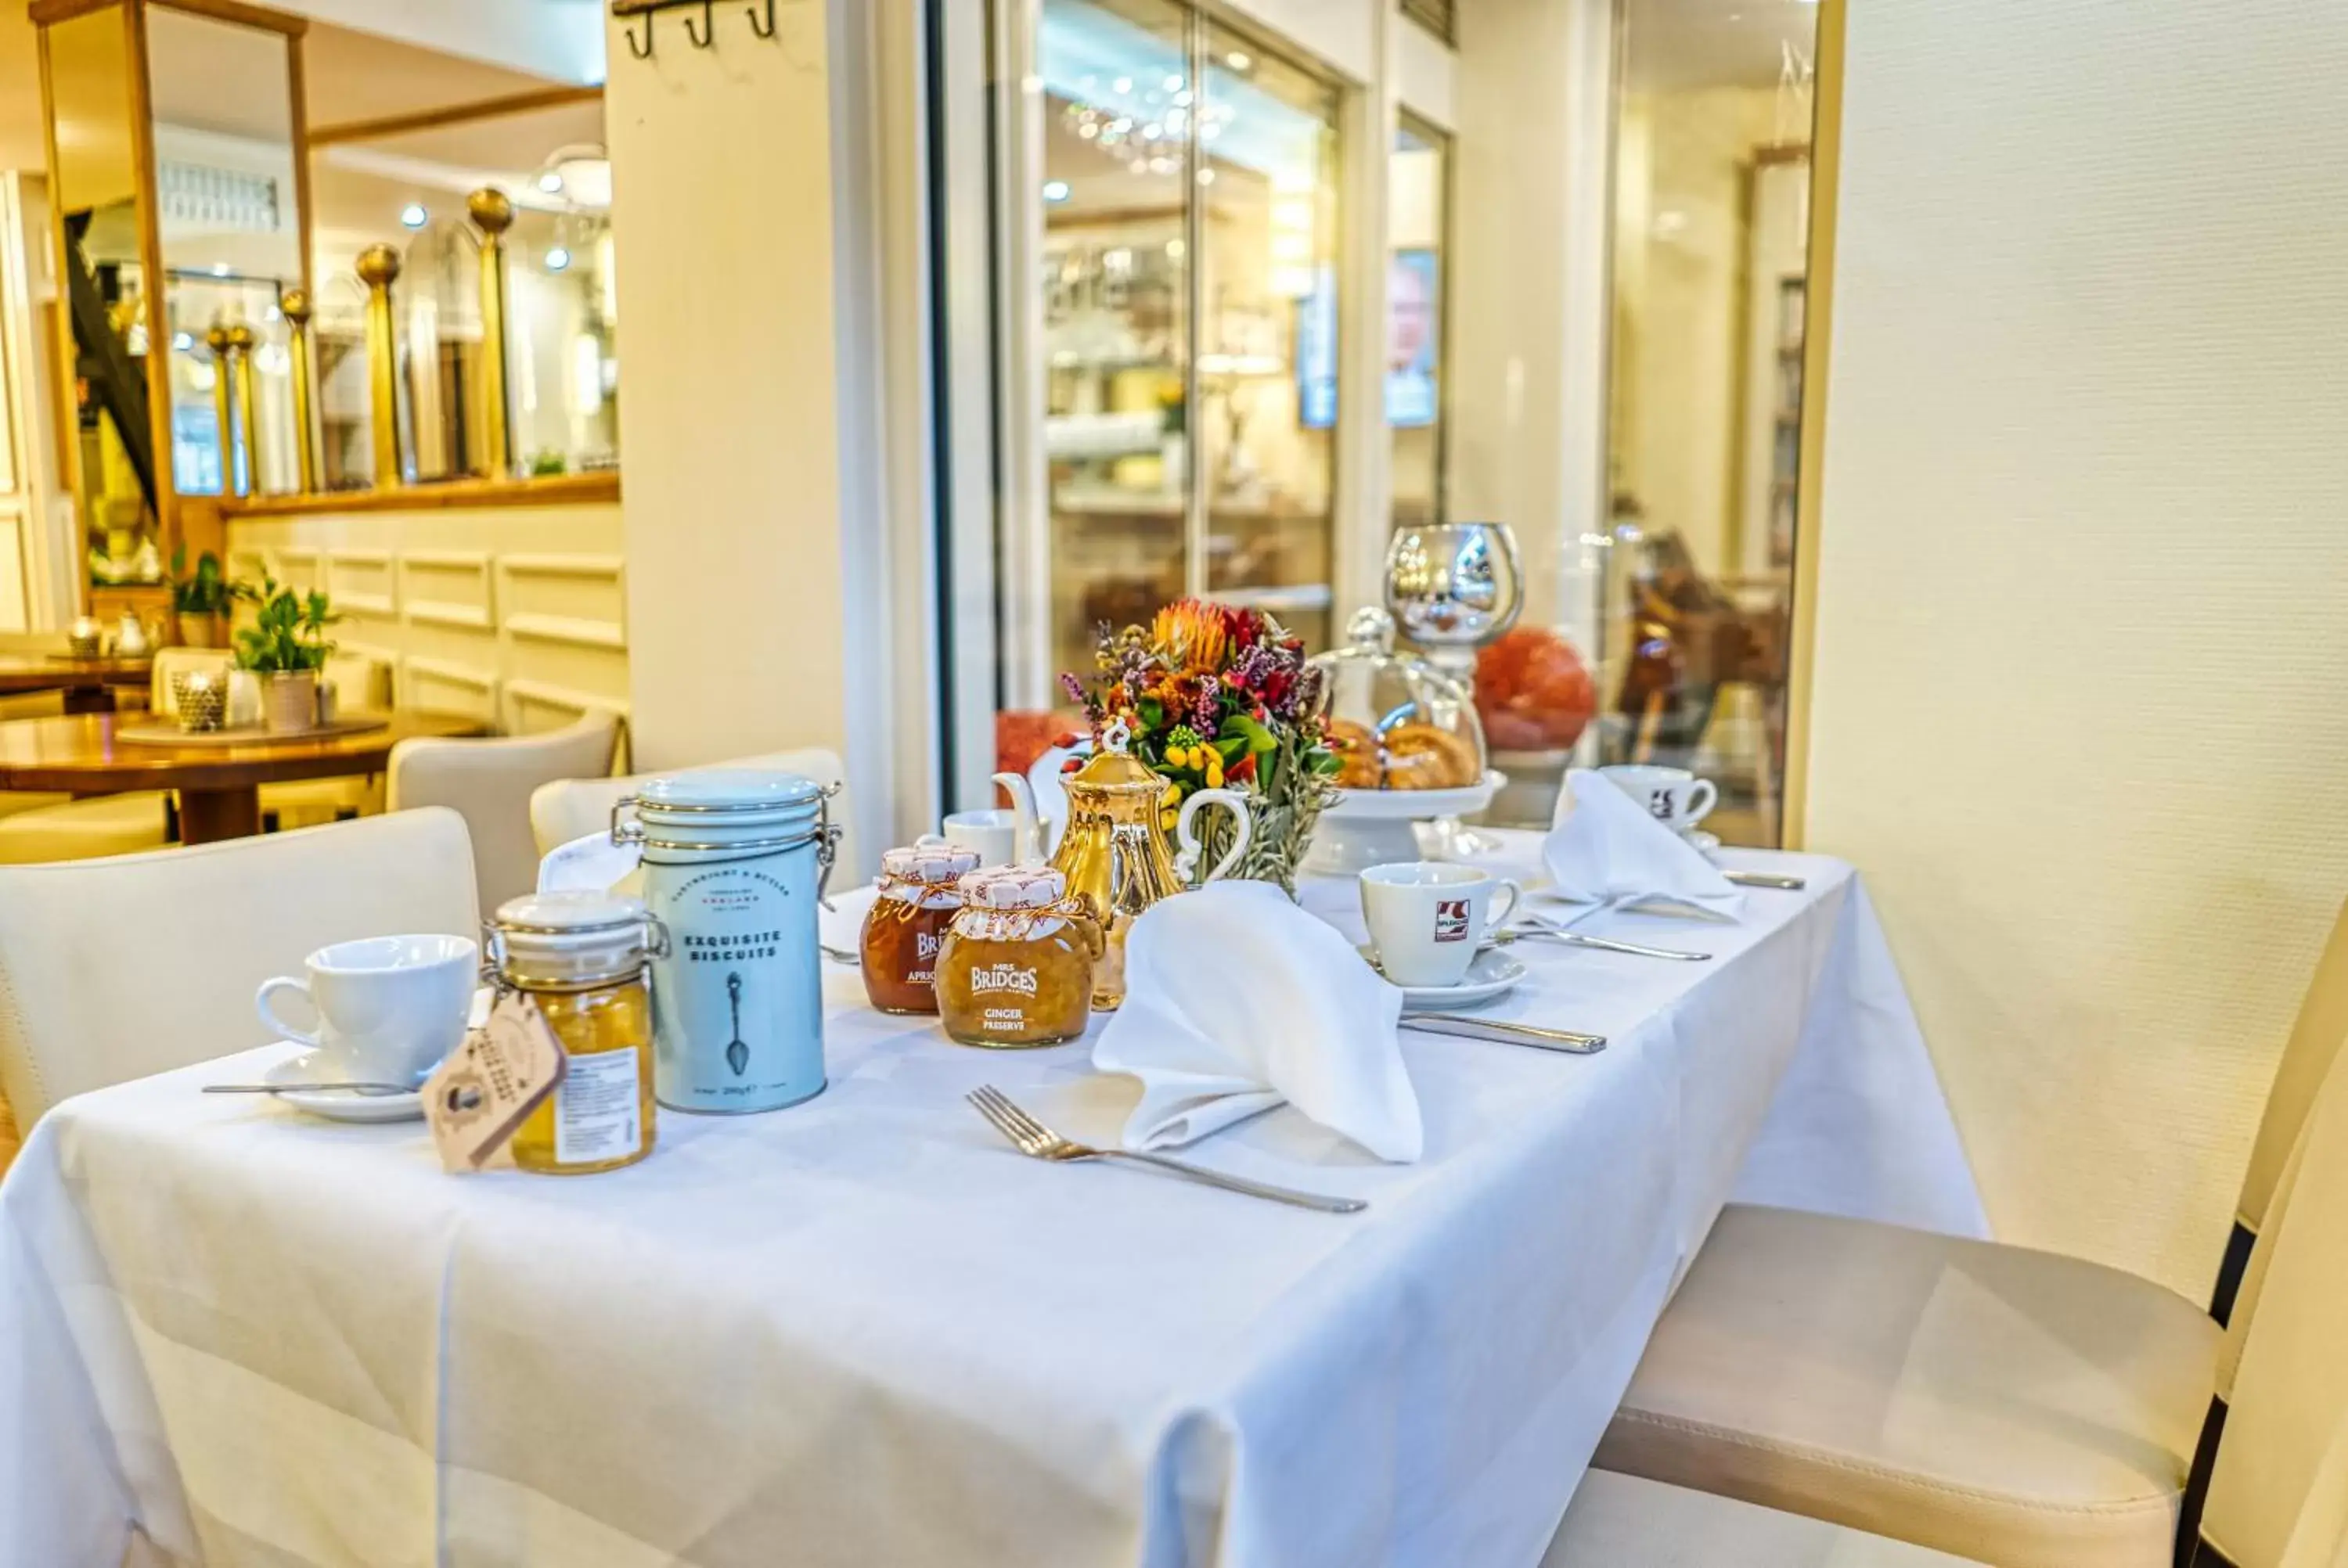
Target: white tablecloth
{"x": 864, "y": 1333}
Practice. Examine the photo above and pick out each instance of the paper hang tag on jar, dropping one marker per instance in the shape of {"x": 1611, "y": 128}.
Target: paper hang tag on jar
{"x": 480, "y": 1096}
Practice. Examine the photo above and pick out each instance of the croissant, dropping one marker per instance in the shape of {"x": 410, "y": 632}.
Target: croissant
{"x": 1356, "y": 748}
{"x": 1423, "y": 756}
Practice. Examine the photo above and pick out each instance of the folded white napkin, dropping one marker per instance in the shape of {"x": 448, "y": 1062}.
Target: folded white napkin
{"x": 1606, "y": 851}
{"x": 592, "y": 864}
{"x": 1235, "y": 1001}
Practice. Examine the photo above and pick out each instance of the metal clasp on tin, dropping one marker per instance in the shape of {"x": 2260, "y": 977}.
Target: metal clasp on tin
{"x": 826, "y": 849}
{"x": 629, "y": 832}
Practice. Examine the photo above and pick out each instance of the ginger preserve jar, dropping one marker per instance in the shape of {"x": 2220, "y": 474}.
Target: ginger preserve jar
{"x": 1017, "y": 965}
{"x": 582, "y": 957}
{"x": 734, "y": 860}
{"x": 920, "y": 891}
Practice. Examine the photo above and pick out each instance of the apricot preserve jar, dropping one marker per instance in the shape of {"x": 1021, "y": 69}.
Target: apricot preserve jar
{"x": 1018, "y": 968}
{"x": 920, "y": 891}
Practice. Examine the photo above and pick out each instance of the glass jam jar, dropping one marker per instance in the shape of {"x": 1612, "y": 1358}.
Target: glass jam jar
{"x": 582, "y": 957}
{"x": 906, "y": 926}
{"x": 1017, "y": 965}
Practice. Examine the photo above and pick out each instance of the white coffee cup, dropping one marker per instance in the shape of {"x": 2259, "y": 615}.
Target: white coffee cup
{"x": 1672, "y": 796}
{"x": 1427, "y": 918}
{"x": 994, "y": 834}
{"x": 389, "y": 1007}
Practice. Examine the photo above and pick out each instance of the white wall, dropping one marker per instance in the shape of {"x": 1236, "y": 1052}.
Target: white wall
{"x": 721, "y": 183}
{"x": 2077, "y": 693}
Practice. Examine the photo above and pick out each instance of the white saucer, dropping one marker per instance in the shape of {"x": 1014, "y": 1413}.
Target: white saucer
{"x": 339, "y": 1105}
{"x": 1705, "y": 843}
{"x": 1493, "y": 973}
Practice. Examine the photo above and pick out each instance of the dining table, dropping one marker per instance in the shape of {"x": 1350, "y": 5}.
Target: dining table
{"x": 217, "y": 777}
{"x": 88, "y": 685}
{"x": 866, "y": 1330}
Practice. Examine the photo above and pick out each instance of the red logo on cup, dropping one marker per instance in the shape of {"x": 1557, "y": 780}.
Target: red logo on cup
{"x": 1451, "y": 919}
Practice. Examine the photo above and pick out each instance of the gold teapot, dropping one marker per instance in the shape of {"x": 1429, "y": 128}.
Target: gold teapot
{"x": 1114, "y": 849}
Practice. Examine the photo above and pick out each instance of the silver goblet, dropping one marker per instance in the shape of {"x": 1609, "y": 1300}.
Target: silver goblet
{"x": 1453, "y": 587}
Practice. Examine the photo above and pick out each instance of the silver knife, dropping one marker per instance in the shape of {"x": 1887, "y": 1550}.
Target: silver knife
{"x": 1766, "y": 879}
{"x": 1603, "y": 944}
{"x": 1541, "y": 1039}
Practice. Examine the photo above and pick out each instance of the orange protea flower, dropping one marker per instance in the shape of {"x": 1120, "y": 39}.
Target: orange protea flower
{"x": 1198, "y": 637}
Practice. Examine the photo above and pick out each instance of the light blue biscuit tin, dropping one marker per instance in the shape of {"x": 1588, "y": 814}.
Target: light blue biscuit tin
{"x": 735, "y": 861}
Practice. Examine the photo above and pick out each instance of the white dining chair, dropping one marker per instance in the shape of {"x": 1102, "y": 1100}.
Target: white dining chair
{"x": 2004, "y": 1403}
{"x": 570, "y": 809}
{"x": 112, "y": 970}
{"x": 2283, "y": 1461}
{"x": 489, "y": 783}
{"x": 1622, "y": 1522}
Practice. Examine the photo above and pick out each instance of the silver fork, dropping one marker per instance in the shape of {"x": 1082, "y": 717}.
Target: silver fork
{"x": 1032, "y": 1138}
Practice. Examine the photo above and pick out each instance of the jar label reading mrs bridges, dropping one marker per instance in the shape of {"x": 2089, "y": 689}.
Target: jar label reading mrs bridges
{"x": 737, "y": 1003}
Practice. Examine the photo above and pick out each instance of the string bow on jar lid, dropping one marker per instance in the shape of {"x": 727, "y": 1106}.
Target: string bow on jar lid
{"x": 934, "y": 862}
{"x": 1014, "y": 887}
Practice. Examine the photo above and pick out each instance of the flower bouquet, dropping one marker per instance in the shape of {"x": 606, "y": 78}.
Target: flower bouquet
{"x": 1217, "y": 697}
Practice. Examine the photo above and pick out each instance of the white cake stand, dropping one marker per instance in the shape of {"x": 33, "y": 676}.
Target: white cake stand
{"x": 1369, "y": 827}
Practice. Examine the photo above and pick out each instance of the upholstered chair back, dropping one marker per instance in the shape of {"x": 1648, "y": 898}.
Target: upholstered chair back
{"x": 2285, "y": 1369}
{"x": 112, "y": 970}
{"x": 2307, "y": 1056}
{"x": 490, "y": 783}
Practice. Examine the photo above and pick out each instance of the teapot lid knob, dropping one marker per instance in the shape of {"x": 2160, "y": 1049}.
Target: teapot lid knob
{"x": 1371, "y": 628}
{"x": 1117, "y": 737}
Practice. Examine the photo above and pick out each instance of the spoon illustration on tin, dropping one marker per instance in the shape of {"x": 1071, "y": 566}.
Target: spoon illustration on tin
{"x": 737, "y": 1054}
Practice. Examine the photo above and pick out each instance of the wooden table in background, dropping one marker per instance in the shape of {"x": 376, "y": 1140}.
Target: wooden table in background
{"x": 218, "y": 786}
{"x": 87, "y": 683}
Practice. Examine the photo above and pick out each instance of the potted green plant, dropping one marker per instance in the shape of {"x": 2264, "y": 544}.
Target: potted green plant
{"x": 202, "y": 601}
{"x": 285, "y": 647}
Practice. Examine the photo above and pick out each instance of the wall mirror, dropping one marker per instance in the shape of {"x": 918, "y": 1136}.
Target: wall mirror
{"x": 87, "y": 70}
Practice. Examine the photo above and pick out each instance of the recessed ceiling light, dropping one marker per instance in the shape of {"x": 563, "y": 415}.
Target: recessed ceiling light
{"x": 1238, "y": 60}
{"x": 220, "y": 268}
{"x": 1055, "y": 191}
{"x": 557, "y": 258}
{"x": 1206, "y": 177}
{"x": 183, "y": 342}
{"x": 413, "y": 215}
{"x": 551, "y": 182}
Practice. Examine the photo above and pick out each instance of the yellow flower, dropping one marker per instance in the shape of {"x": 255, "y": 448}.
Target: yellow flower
{"x": 1167, "y": 819}
{"x": 1214, "y": 770}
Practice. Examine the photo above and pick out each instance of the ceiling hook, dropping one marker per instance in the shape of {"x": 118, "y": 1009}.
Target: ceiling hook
{"x": 645, "y": 53}
{"x": 708, "y": 33}
{"x": 767, "y": 30}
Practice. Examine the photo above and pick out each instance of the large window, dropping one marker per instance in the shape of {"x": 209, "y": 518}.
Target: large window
{"x": 1418, "y": 184}
{"x": 1180, "y": 199}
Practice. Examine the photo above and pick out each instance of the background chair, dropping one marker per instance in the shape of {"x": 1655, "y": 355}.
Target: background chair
{"x": 490, "y": 783}
{"x": 573, "y": 807}
{"x": 112, "y": 970}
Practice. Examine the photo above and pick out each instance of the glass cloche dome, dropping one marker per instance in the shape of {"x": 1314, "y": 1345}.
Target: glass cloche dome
{"x": 1396, "y": 720}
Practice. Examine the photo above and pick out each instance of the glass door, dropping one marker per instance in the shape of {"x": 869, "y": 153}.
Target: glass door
{"x": 1171, "y": 186}
{"x": 1267, "y": 381}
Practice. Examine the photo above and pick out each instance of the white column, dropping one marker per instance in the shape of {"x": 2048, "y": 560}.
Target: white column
{"x": 722, "y": 164}
{"x": 1533, "y": 97}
